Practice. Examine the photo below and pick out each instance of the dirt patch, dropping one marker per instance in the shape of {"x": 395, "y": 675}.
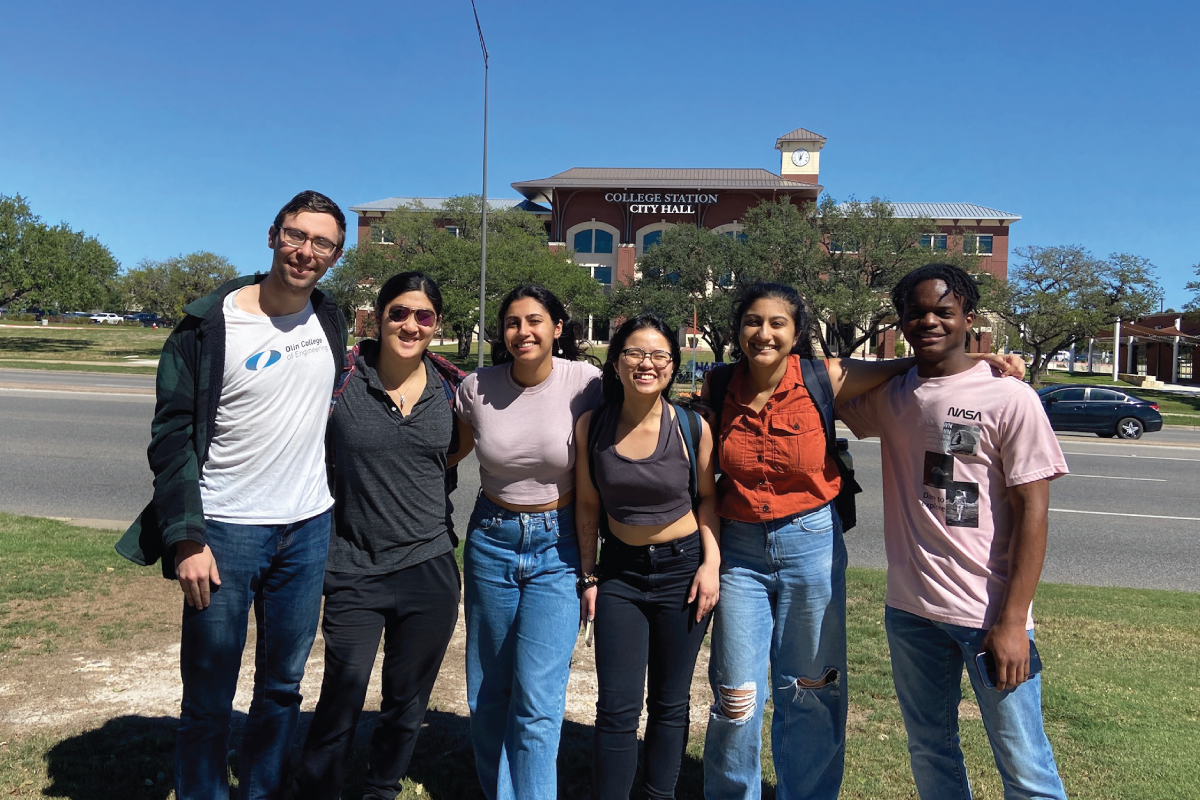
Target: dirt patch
{"x": 117, "y": 654}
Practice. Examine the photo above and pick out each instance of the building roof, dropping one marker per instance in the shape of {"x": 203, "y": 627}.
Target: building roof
{"x": 959, "y": 211}
{"x": 799, "y": 135}
{"x": 661, "y": 178}
{"x": 439, "y": 203}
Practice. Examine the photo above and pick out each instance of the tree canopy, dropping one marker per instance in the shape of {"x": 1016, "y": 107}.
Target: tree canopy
{"x": 1058, "y": 296}
{"x": 50, "y": 266}
{"x": 1194, "y": 288}
{"x": 165, "y": 287}
{"x": 843, "y": 258}
{"x": 418, "y": 239}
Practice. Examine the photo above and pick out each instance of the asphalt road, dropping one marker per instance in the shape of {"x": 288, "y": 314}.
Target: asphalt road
{"x": 1129, "y": 515}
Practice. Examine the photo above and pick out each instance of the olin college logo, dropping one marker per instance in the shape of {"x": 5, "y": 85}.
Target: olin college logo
{"x": 262, "y": 360}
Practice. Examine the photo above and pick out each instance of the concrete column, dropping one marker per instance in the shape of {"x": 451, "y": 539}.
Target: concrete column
{"x": 1091, "y": 347}
{"x": 1175, "y": 352}
{"x": 1129, "y": 359}
{"x": 1071, "y": 361}
{"x": 1116, "y": 349}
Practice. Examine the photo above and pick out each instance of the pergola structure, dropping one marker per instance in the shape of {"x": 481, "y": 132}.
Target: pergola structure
{"x": 1128, "y": 335}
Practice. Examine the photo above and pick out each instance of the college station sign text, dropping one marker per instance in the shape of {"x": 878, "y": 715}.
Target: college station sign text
{"x": 660, "y": 203}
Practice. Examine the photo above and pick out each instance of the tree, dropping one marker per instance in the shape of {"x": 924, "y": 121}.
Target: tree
{"x": 868, "y": 249}
{"x": 165, "y": 287}
{"x": 1058, "y": 296}
{"x": 1194, "y": 287}
{"x": 688, "y": 269}
{"x": 844, "y": 260}
{"x": 50, "y": 266}
{"x": 418, "y": 240}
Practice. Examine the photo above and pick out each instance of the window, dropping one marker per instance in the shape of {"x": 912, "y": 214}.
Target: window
{"x": 1107, "y": 395}
{"x": 593, "y": 240}
{"x": 1069, "y": 395}
{"x": 454, "y": 231}
{"x": 839, "y": 246}
{"x": 982, "y": 244}
{"x": 651, "y": 238}
{"x": 934, "y": 241}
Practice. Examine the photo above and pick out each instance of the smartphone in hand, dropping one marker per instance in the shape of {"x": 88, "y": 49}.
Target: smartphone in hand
{"x": 985, "y": 662}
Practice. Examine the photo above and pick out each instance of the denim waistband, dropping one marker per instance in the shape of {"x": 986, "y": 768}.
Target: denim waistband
{"x": 620, "y": 549}
{"x": 484, "y": 504}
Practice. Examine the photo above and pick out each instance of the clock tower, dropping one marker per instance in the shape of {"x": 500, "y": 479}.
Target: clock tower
{"x": 801, "y": 155}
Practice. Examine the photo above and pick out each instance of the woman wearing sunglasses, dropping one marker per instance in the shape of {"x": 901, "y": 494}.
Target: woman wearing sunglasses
{"x": 391, "y": 568}
{"x": 522, "y": 558}
{"x": 660, "y": 567}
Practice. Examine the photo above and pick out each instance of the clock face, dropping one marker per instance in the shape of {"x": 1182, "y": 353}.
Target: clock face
{"x": 800, "y": 157}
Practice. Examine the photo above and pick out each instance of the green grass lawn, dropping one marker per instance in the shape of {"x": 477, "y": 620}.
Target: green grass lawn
{"x": 104, "y": 347}
{"x": 1122, "y": 699}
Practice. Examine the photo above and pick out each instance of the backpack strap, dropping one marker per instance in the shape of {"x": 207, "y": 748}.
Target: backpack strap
{"x": 689, "y": 425}
{"x": 348, "y": 366}
{"x": 816, "y": 382}
{"x": 593, "y": 439}
{"x": 719, "y": 378}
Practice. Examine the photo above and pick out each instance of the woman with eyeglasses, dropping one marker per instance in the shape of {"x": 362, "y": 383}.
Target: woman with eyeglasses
{"x": 522, "y": 558}
{"x": 660, "y": 563}
{"x": 391, "y": 571}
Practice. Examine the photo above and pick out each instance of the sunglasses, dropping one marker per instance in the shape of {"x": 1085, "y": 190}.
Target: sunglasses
{"x": 425, "y": 317}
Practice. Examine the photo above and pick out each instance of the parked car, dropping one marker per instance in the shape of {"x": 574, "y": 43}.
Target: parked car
{"x": 147, "y": 319}
{"x": 104, "y": 316}
{"x": 1103, "y": 411}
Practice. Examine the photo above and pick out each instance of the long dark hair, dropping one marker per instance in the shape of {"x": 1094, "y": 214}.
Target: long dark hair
{"x": 784, "y": 294}
{"x": 610, "y": 380}
{"x": 570, "y": 344}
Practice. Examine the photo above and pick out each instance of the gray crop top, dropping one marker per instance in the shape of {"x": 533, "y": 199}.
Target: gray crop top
{"x": 649, "y": 491}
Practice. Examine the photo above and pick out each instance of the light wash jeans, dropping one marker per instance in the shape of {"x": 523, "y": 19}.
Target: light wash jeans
{"x": 783, "y": 603}
{"x": 522, "y": 613}
{"x": 927, "y": 664}
{"x": 279, "y": 570}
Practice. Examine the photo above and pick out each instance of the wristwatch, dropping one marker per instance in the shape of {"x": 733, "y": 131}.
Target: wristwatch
{"x": 587, "y": 580}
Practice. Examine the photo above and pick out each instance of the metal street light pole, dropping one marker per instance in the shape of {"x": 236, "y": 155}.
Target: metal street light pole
{"x": 483, "y": 215}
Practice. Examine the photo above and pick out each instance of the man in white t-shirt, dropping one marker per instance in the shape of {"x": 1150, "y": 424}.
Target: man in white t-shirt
{"x": 967, "y": 461}
{"x": 241, "y": 509}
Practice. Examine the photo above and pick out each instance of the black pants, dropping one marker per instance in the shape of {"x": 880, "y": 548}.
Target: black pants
{"x": 644, "y": 623}
{"x": 416, "y": 610}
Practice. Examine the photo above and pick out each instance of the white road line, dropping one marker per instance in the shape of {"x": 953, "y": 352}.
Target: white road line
{"x": 1130, "y": 455}
{"x": 1117, "y": 514}
{"x": 1116, "y": 477}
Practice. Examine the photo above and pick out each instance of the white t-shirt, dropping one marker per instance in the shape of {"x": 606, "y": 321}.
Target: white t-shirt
{"x": 266, "y": 462}
{"x": 525, "y": 436}
{"x": 951, "y": 448}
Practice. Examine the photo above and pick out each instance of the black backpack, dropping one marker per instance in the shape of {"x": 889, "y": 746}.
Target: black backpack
{"x": 816, "y": 382}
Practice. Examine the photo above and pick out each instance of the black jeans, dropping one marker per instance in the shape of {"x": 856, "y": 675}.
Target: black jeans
{"x": 644, "y": 623}
{"x": 416, "y": 610}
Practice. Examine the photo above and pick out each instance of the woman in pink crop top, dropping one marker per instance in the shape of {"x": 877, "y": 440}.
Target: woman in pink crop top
{"x": 659, "y": 569}
{"x": 521, "y": 561}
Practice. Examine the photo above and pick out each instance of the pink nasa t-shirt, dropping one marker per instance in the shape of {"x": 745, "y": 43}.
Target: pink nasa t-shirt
{"x": 951, "y": 448}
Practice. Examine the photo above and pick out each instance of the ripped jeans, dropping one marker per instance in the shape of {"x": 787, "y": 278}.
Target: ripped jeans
{"x": 783, "y": 603}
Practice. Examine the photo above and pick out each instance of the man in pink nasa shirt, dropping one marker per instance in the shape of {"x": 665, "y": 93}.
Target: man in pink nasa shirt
{"x": 967, "y": 461}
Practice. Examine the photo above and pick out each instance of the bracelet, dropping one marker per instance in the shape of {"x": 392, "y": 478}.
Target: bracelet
{"x": 586, "y": 581}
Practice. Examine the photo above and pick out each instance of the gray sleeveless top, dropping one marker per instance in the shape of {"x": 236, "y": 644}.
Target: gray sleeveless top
{"x": 648, "y": 491}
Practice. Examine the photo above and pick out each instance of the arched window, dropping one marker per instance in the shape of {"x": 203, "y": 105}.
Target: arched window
{"x": 734, "y": 230}
{"x": 595, "y": 249}
{"x": 651, "y": 235}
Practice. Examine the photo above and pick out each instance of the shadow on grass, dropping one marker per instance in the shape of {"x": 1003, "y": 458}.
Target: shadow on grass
{"x": 43, "y": 345}
{"x": 131, "y": 757}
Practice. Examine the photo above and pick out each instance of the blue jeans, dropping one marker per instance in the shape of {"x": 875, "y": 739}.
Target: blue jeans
{"x": 927, "y": 664}
{"x": 522, "y": 612}
{"x": 783, "y": 602}
{"x": 279, "y": 570}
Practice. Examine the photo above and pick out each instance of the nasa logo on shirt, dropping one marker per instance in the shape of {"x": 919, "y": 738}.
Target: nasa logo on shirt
{"x": 263, "y": 359}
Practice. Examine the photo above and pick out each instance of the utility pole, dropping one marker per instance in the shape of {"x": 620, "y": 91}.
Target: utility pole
{"x": 483, "y": 214}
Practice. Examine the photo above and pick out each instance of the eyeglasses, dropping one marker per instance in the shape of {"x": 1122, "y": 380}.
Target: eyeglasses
{"x": 634, "y": 356}
{"x": 296, "y": 238}
{"x": 425, "y": 317}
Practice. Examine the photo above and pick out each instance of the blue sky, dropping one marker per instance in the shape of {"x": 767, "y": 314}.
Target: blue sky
{"x": 164, "y": 128}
